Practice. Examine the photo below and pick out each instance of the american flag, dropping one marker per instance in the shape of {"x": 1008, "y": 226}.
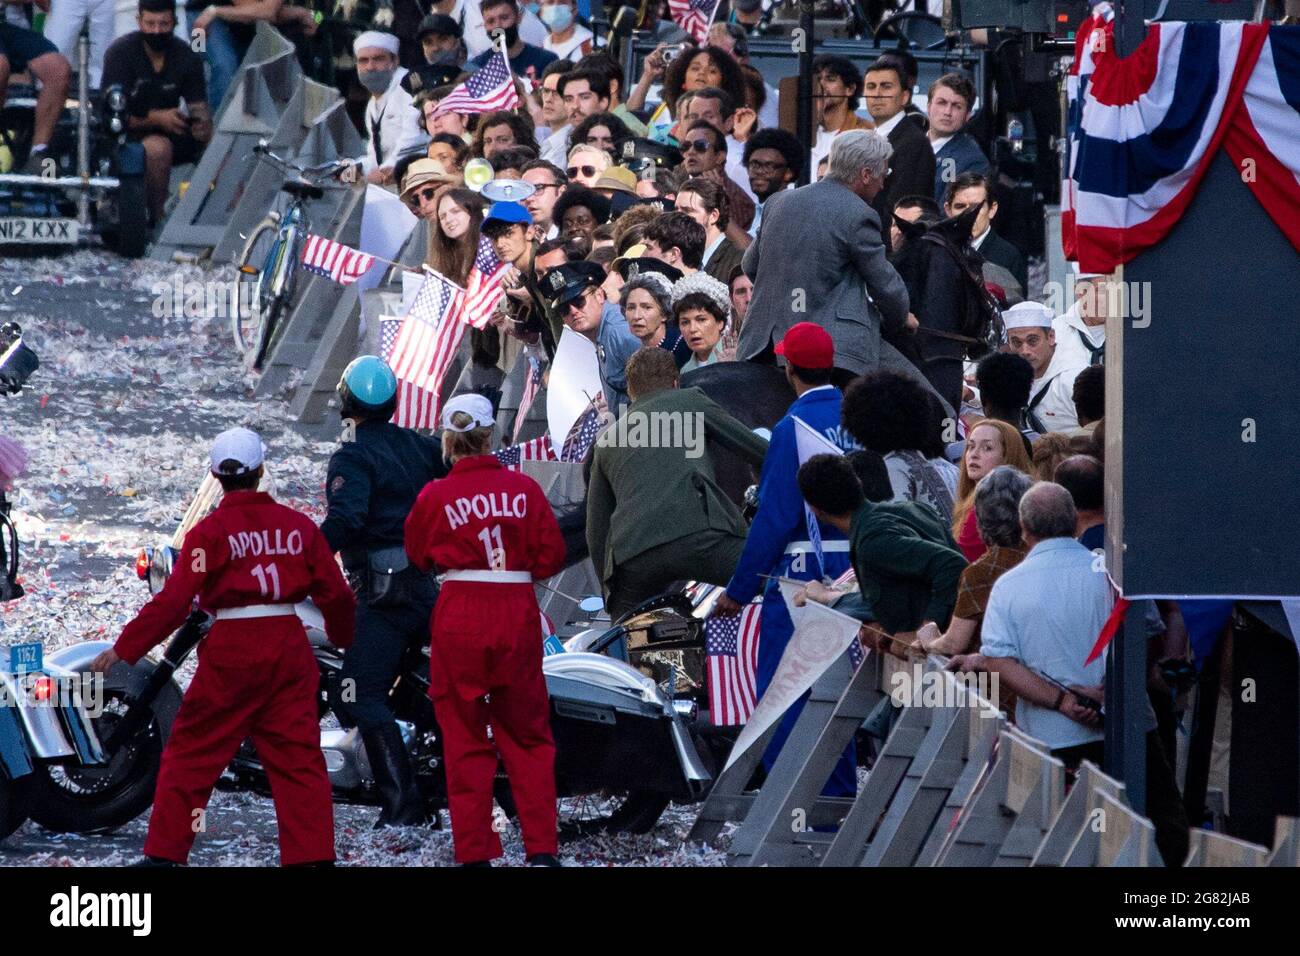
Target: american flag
{"x": 423, "y": 350}
{"x": 694, "y": 16}
{"x": 335, "y": 261}
{"x": 532, "y": 385}
{"x": 731, "y": 656}
{"x": 490, "y": 89}
{"x": 536, "y": 449}
{"x": 389, "y": 327}
{"x": 584, "y": 431}
{"x": 483, "y": 287}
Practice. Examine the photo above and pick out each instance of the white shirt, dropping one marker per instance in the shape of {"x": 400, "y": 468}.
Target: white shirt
{"x": 940, "y": 143}
{"x": 556, "y": 147}
{"x": 711, "y": 248}
{"x": 769, "y": 117}
{"x": 1056, "y": 409}
{"x": 885, "y": 128}
{"x": 736, "y": 170}
{"x": 979, "y": 240}
{"x": 570, "y": 49}
{"x": 398, "y": 121}
{"x": 1069, "y": 327}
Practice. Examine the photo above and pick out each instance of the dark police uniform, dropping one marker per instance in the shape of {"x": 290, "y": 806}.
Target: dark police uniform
{"x": 372, "y": 483}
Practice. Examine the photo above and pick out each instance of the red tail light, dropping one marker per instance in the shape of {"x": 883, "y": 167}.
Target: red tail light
{"x": 43, "y": 689}
{"x": 142, "y": 564}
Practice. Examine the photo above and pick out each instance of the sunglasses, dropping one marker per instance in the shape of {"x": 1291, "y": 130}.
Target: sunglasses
{"x": 696, "y": 146}
{"x": 577, "y": 303}
{"x": 423, "y": 195}
{"x": 576, "y": 171}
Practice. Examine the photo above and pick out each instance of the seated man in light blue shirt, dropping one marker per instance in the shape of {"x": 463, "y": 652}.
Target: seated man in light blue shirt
{"x": 576, "y": 294}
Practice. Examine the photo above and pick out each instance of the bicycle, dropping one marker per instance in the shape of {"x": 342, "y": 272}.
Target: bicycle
{"x": 270, "y": 258}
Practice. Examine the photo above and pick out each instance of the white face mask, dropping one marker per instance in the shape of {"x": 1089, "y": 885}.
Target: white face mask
{"x": 557, "y": 17}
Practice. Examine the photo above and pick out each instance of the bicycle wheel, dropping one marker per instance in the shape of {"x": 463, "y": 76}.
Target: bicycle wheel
{"x": 286, "y": 268}
{"x": 253, "y": 285}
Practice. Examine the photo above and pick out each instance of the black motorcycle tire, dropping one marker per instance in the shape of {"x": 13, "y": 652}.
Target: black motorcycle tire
{"x": 130, "y": 237}
{"x": 15, "y": 800}
{"x": 638, "y": 813}
{"x": 57, "y": 806}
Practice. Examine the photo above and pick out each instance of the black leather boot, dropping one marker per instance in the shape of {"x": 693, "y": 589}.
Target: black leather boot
{"x": 402, "y": 805}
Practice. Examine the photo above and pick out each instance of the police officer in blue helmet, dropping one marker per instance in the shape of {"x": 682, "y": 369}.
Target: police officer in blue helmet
{"x": 372, "y": 482}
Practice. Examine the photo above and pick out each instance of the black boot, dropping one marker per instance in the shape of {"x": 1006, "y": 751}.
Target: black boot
{"x": 394, "y": 777}
{"x": 154, "y": 861}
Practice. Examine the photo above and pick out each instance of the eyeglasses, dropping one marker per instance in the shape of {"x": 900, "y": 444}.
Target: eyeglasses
{"x": 696, "y": 145}
{"x": 424, "y": 195}
{"x": 578, "y": 303}
{"x": 576, "y": 171}
{"x": 763, "y": 166}
{"x": 540, "y": 186}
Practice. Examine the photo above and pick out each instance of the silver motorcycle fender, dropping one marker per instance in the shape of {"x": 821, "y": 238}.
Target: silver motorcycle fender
{"x": 59, "y": 729}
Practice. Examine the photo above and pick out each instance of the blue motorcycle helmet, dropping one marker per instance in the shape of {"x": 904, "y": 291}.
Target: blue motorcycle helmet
{"x": 368, "y": 389}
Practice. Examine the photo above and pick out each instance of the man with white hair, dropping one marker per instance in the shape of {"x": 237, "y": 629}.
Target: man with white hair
{"x": 392, "y": 120}
{"x": 840, "y": 278}
{"x": 1051, "y": 396}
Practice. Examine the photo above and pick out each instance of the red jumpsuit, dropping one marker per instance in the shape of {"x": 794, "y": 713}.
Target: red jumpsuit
{"x": 486, "y": 643}
{"x": 256, "y": 675}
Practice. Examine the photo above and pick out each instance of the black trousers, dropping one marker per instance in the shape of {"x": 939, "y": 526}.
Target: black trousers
{"x": 371, "y": 664}
{"x": 1164, "y": 802}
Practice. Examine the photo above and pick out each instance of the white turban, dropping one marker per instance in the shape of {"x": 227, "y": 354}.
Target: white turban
{"x": 375, "y": 38}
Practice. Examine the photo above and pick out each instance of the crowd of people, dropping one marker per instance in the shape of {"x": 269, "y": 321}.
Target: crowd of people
{"x": 662, "y": 222}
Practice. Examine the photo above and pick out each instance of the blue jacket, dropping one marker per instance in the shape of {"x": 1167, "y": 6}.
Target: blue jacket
{"x": 615, "y": 344}
{"x": 961, "y": 154}
{"x": 781, "y": 517}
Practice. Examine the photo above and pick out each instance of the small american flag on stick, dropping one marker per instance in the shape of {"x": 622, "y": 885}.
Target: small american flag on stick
{"x": 483, "y": 288}
{"x": 334, "y": 260}
{"x": 694, "y": 16}
{"x": 490, "y": 89}
{"x": 731, "y": 658}
{"x": 584, "y": 431}
{"x": 536, "y": 449}
{"x": 423, "y": 350}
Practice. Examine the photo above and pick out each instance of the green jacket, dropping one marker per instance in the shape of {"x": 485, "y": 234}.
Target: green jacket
{"x": 640, "y": 496}
{"x": 907, "y": 563}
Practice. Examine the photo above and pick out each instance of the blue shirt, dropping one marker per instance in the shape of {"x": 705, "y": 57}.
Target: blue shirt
{"x": 1046, "y": 612}
{"x": 781, "y": 518}
{"x": 615, "y": 344}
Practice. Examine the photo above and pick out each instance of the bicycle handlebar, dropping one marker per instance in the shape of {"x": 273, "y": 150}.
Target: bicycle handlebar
{"x": 320, "y": 170}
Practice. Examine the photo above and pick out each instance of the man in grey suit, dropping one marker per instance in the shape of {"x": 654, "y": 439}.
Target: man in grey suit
{"x": 822, "y": 260}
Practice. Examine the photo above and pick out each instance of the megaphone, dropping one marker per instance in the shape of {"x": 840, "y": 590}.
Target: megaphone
{"x": 508, "y": 190}
{"x": 478, "y": 173}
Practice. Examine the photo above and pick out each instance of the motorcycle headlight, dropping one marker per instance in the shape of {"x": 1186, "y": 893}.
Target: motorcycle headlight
{"x": 116, "y": 100}
{"x": 160, "y": 568}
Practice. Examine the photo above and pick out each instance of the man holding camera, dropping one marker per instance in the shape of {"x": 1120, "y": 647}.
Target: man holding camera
{"x": 156, "y": 70}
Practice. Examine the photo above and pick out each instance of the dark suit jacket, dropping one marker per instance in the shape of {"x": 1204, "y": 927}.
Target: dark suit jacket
{"x": 820, "y": 253}
{"x": 997, "y": 250}
{"x": 640, "y": 497}
{"x": 725, "y": 258}
{"x": 961, "y": 154}
{"x": 912, "y": 171}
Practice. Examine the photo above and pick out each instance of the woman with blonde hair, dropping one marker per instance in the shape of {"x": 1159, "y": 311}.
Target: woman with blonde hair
{"x": 454, "y": 232}
{"x": 1049, "y": 451}
{"x": 989, "y": 443}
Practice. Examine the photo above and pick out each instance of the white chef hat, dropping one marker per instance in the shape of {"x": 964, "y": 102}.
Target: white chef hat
{"x": 385, "y": 41}
{"x": 1027, "y": 315}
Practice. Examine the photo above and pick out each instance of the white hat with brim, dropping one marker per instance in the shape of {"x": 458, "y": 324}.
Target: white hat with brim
{"x": 242, "y": 445}
{"x": 478, "y": 408}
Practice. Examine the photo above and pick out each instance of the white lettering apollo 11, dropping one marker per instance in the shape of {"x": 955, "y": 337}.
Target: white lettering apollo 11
{"x": 500, "y": 505}
{"x": 265, "y": 543}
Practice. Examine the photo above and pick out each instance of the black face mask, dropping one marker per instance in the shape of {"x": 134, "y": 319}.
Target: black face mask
{"x": 512, "y": 35}
{"x": 157, "y": 41}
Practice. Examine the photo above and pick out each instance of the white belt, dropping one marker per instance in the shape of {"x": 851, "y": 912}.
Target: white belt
{"x": 255, "y": 610}
{"x": 495, "y": 577}
{"x": 828, "y": 547}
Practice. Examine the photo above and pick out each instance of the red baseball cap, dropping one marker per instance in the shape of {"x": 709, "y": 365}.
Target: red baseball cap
{"x": 807, "y": 345}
